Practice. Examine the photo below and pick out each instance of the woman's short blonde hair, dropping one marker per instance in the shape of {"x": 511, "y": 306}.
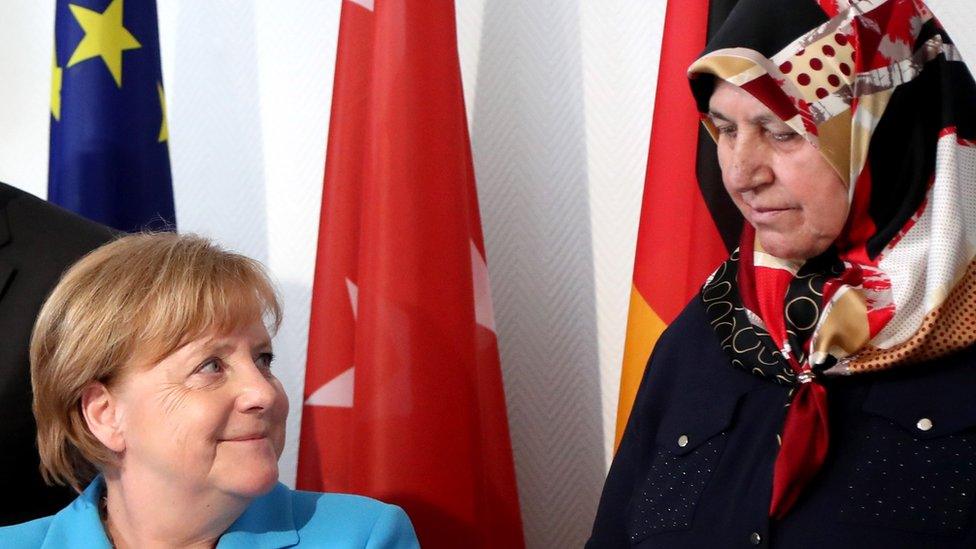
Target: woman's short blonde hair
{"x": 140, "y": 297}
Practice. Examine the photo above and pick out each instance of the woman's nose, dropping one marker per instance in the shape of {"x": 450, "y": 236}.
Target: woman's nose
{"x": 750, "y": 167}
{"x": 257, "y": 391}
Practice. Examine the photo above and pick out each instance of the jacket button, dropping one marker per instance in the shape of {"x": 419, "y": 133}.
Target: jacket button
{"x": 755, "y": 538}
{"x": 683, "y": 441}
{"x": 924, "y": 424}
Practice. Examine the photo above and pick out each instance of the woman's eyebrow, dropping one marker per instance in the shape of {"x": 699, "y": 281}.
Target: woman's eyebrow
{"x": 718, "y": 115}
{"x": 216, "y": 346}
{"x": 765, "y": 119}
{"x": 220, "y": 346}
{"x": 760, "y": 120}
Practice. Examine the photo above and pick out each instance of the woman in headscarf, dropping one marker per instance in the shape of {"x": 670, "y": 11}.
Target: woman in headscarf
{"x": 819, "y": 392}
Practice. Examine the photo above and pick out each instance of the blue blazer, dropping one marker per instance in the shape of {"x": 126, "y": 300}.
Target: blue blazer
{"x": 281, "y": 518}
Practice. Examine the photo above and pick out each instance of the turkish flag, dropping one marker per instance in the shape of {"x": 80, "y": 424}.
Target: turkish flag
{"x": 403, "y": 390}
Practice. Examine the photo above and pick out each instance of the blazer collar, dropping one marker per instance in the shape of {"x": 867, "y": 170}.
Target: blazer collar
{"x": 268, "y": 523}
{"x": 6, "y": 271}
{"x": 78, "y": 525}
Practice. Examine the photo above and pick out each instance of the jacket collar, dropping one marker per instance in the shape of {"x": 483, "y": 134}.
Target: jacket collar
{"x": 78, "y": 525}
{"x": 6, "y": 271}
{"x": 268, "y": 523}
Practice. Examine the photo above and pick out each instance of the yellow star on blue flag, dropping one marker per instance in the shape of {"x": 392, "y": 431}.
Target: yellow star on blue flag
{"x": 109, "y": 159}
{"x": 105, "y": 37}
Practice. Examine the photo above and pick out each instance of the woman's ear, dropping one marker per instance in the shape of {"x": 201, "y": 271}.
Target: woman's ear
{"x": 102, "y": 415}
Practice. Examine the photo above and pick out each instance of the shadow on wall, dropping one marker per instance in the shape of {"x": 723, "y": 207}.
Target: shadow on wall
{"x": 291, "y": 346}
{"x": 529, "y": 141}
{"x": 215, "y": 125}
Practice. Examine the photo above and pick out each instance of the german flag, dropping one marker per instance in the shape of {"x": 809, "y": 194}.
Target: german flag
{"x": 686, "y": 230}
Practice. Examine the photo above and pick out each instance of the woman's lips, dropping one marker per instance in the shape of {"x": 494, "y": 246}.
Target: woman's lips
{"x": 767, "y": 215}
{"x": 245, "y": 438}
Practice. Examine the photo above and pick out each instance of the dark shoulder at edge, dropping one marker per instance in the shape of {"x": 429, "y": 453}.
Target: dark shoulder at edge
{"x": 30, "y": 217}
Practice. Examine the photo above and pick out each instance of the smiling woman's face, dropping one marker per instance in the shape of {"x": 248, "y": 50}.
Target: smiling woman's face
{"x": 779, "y": 181}
{"x": 211, "y": 415}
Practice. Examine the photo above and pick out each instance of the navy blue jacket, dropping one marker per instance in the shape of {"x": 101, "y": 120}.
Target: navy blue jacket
{"x": 695, "y": 465}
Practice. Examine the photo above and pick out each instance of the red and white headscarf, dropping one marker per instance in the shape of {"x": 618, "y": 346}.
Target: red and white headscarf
{"x": 878, "y": 87}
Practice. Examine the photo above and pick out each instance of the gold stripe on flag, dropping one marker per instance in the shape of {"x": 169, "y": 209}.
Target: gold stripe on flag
{"x": 644, "y": 327}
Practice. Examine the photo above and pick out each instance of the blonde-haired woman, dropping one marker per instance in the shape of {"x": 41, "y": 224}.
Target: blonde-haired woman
{"x": 153, "y": 385}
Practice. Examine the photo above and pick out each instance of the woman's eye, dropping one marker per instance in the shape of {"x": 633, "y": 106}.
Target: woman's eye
{"x": 727, "y": 130}
{"x": 783, "y": 137}
{"x": 211, "y": 366}
{"x": 264, "y": 361}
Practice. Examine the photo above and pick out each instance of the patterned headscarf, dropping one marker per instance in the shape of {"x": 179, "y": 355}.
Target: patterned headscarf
{"x": 879, "y": 88}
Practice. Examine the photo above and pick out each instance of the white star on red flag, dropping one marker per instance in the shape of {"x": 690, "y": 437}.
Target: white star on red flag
{"x": 338, "y": 391}
{"x": 368, "y": 4}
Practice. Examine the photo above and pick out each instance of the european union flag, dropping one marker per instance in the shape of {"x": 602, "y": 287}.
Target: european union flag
{"x": 109, "y": 160}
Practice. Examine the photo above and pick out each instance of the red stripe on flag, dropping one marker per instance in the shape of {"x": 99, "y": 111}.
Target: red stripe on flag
{"x": 404, "y": 398}
{"x": 677, "y": 245}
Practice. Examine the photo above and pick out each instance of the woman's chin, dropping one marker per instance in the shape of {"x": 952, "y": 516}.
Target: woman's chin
{"x": 250, "y": 476}
{"x": 791, "y": 247}
{"x": 252, "y": 483}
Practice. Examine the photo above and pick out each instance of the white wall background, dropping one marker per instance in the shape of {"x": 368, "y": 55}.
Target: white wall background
{"x": 559, "y": 96}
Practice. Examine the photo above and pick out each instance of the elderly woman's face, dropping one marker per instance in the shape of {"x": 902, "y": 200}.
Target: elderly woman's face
{"x": 210, "y": 416}
{"x": 779, "y": 181}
